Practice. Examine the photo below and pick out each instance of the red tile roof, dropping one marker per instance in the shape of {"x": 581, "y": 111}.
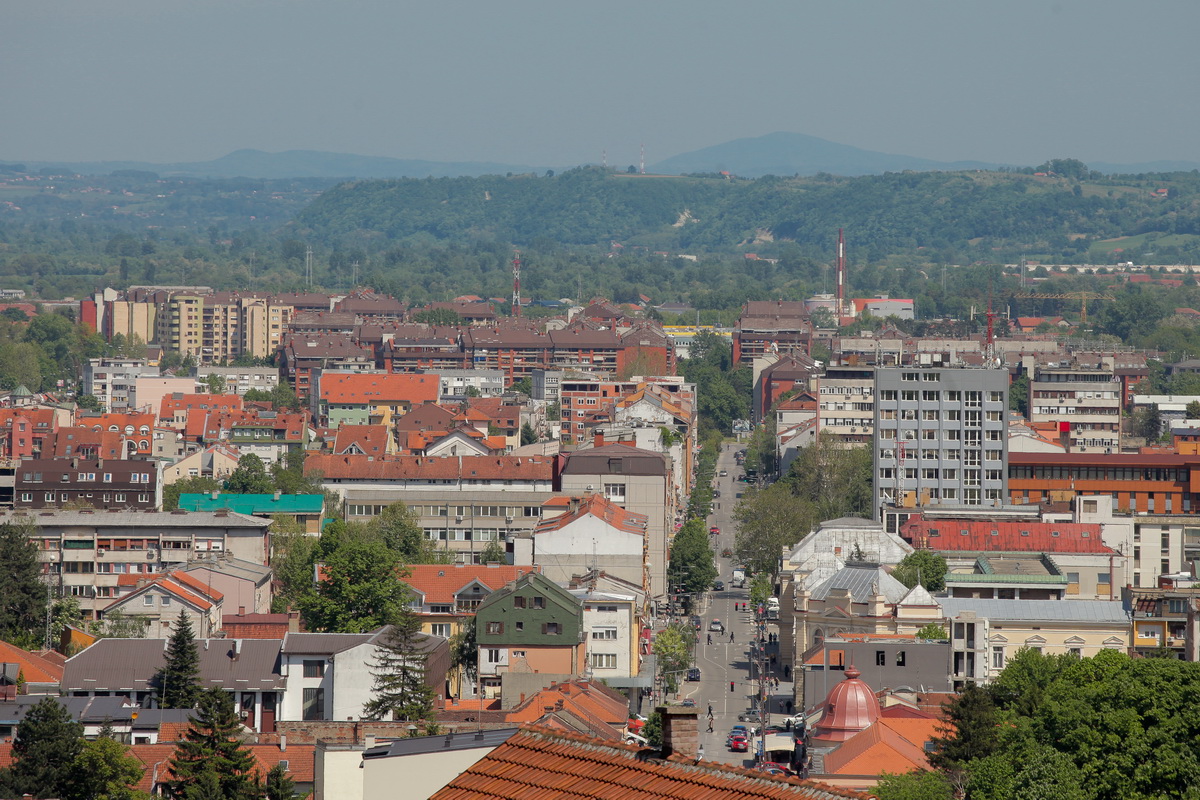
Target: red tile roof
{"x": 1004, "y": 537}
{"x": 439, "y": 582}
{"x": 596, "y": 505}
{"x": 537, "y": 762}
{"x": 33, "y": 667}
{"x": 372, "y": 440}
{"x": 172, "y": 403}
{"x": 371, "y": 388}
{"x": 515, "y": 468}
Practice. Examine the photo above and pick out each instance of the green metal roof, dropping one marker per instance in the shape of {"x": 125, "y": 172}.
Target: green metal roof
{"x": 253, "y": 503}
{"x": 1007, "y": 577}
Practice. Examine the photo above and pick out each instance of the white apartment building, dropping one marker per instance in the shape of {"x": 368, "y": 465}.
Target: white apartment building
{"x": 111, "y": 380}
{"x": 1085, "y": 400}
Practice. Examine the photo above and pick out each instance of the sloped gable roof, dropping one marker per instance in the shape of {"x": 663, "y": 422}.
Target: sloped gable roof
{"x": 540, "y": 762}
{"x": 862, "y": 582}
{"x": 439, "y": 583}
{"x": 34, "y": 668}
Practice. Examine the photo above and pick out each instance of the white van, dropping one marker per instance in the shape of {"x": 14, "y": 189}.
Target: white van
{"x": 772, "y": 608}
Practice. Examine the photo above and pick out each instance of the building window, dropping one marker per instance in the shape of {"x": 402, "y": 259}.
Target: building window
{"x": 900, "y": 658}
{"x": 997, "y": 658}
{"x": 880, "y": 658}
{"x": 147, "y": 599}
{"x": 518, "y": 601}
{"x": 552, "y": 628}
{"x": 166, "y": 601}
{"x": 314, "y": 704}
{"x": 314, "y": 668}
{"x": 539, "y": 602}
{"x": 493, "y": 655}
{"x": 495, "y": 628}
{"x": 442, "y": 629}
{"x": 604, "y": 633}
{"x": 604, "y": 660}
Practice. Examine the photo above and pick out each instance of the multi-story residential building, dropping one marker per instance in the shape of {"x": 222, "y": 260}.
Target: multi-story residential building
{"x": 461, "y": 502}
{"x": 611, "y": 632}
{"x": 222, "y": 326}
{"x": 301, "y": 354}
{"x": 239, "y": 380}
{"x": 412, "y": 347}
{"x": 371, "y": 398}
{"x": 180, "y": 322}
{"x": 270, "y": 435}
{"x": 787, "y": 375}
{"x": 847, "y": 403}
{"x": 87, "y": 552}
{"x": 532, "y": 625}
{"x": 941, "y": 437}
{"x": 330, "y": 675}
{"x": 177, "y": 408}
{"x": 457, "y": 384}
{"x": 582, "y": 398}
{"x": 102, "y": 483}
{"x": 1164, "y": 617}
{"x": 545, "y": 384}
{"x": 578, "y": 534}
{"x": 160, "y": 599}
{"x": 516, "y": 352}
{"x": 770, "y": 326}
{"x": 1083, "y": 400}
{"x": 110, "y": 380}
{"x": 636, "y": 480}
{"x": 445, "y": 596}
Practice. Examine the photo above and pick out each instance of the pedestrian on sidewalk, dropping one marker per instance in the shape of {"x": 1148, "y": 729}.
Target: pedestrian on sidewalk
{"x": 710, "y": 727}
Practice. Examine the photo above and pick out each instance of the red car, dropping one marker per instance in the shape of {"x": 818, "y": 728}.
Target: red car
{"x": 714, "y": 530}
{"x": 739, "y": 744}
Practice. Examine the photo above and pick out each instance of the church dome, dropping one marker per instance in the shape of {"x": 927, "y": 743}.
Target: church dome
{"x": 851, "y": 707}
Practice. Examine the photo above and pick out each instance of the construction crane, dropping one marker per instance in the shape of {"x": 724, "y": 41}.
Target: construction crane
{"x": 1082, "y": 297}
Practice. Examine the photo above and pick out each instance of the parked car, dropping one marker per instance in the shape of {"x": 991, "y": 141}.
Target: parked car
{"x": 723, "y": 473}
{"x": 693, "y": 674}
{"x": 716, "y": 626}
{"x": 697, "y": 623}
{"x": 714, "y": 530}
{"x": 739, "y": 744}
{"x": 749, "y": 715}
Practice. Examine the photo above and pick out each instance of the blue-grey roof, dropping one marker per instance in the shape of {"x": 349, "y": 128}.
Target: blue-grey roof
{"x": 862, "y": 581}
{"x": 1088, "y": 611}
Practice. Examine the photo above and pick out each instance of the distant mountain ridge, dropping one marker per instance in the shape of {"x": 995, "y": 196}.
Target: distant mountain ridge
{"x": 784, "y": 153}
{"x": 780, "y": 153}
{"x": 294, "y": 164}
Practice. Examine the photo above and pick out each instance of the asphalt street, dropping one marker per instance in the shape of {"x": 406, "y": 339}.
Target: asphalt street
{"x": 724, "y": 661}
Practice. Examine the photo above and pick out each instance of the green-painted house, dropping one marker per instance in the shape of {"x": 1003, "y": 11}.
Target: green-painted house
{"x": 532, "y": 625}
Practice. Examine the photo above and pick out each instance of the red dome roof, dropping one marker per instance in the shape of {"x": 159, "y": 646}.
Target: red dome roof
{"x": 851, "y": 707}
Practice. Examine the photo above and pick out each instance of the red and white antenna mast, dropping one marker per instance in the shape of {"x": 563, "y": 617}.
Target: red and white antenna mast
{"x": 990, "y": 349}
{"x": 516, "y": 301}
{"x": 841, "y": 276}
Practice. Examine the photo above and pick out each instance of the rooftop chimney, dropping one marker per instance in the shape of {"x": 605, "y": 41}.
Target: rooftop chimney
{"x": 680, "y": 731}
{"x": 599, "y": 439}
{"x": 282, "y": 742}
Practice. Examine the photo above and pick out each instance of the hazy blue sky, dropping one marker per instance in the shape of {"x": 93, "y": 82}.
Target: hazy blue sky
{"x": 555, "y": 82}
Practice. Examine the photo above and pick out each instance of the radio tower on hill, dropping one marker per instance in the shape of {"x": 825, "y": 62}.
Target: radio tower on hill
{"x": 516, "y": 301}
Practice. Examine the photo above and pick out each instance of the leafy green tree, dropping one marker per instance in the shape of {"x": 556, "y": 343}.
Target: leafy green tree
{"x": 279, "y": 784}
{"x": 553, "y": 412}
{"x": 523, "y": 386}
{"x": 117, "y": 625}
{"x": 493, "y": 552}
{"x": 918, "y": 785}
{"x": 89, "y": 402}
{"x": 104, "y": 770}
{"x": 692, "y": 566}
{"x": 1018, "y": 395}
{"x": 197, "y": 484}
{"x": 63, "y": 612}
{"x": 293, "y": 554}
{"x": 44, "y": 750}
{"x": 178, "y": 681}
{"x": 1147, "y": 423}
{"x": 760, "y": 590}
{"x": 210, "y": 748}
{"x": 933, "y": 632}
{"x": 1193, "y": 410}
{"x": 464, "y": 650}
{"x": 399, "y": 530}
{"x": 359, "y": 590}
{"x": 768, "y": 520}
{"x": 922, "y": 566}
{"x": 673, "y": 649}
{"x": 250, "y": 477}
{"x": 214, "y": 382}
{"x": 400, "y": 691}
{"x": 22, "y": 593}
{"x": 834, "y": 480}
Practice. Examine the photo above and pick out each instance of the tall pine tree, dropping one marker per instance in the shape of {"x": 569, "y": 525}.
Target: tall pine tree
{"x": 399, "y": 670}
{"x": 22, "y": 593}
{"x": 44, "y": 750}
{"x": 211, "y": 754}
{"x": 279, "y": 785}
{"x": 179, "y": 680}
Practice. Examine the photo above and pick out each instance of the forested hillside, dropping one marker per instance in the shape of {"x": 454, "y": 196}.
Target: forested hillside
{"x": 591, "y": 231}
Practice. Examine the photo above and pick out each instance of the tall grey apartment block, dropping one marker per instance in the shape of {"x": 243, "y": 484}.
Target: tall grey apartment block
{"x": 941, "y": 438}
